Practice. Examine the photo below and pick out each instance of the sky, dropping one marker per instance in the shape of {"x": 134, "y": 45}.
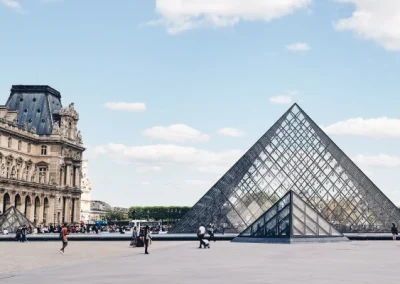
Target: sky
{"x": 172, "y": 92}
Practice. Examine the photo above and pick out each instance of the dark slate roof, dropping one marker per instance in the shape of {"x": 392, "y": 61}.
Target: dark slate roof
{"x": 35, "y": 105}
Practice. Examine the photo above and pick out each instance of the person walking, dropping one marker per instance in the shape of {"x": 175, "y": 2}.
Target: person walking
{"x": 64, "y": 239}
{"x": 395, "y": 232}
{"x": 211, "y": 233}
{"x": 200, "y": 234}
{"x": 134, "y": 237}
{"x": 147, "y": 239}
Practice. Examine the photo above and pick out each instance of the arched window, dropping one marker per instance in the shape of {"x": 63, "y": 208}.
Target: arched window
{"x": 44, "y": 150}
{"x": 29, "y": 147}
{"x": 19, "y": 145}
{"x": 9, "y": 142}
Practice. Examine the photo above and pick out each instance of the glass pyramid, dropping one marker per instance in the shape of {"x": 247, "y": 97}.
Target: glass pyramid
{"x": 12, "y": 219}
{"x": 294, "y": 154}
{"x": 289, "y": 220}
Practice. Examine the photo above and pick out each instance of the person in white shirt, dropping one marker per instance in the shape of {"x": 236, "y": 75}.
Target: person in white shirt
{"x": 200, "y": 234}
{"x": 5, "y": 232}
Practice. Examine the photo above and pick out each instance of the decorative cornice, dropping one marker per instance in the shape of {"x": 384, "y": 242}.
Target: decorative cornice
{"x": 35, "y": 89}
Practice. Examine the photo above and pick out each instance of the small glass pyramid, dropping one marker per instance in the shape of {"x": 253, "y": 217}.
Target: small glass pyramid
{"x": 12, "y": 219}
{"x": 290, "y": 220}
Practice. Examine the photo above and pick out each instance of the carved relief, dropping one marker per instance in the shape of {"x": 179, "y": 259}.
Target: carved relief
{"x": 56, "y": 128}
{"x": 3, "y": 171}
{"x": 79, "y": 137}
{"x": 70, "y": 111}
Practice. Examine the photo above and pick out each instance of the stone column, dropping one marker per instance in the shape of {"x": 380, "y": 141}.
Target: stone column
{"x": 77, "y": 177}
{"x": 1, "y": 201}
{"x": 78, "y": 210}
{"x": 39, "y": 217}
{"x": 32, "y": 209}
{"x": 22, "y": 208}
{"x": 47, "y": 181}
{"x": 68, "y": 174}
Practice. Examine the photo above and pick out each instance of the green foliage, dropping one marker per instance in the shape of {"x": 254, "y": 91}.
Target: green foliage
{"x": 158, "y": 213}
{"x": 116, "y": 214}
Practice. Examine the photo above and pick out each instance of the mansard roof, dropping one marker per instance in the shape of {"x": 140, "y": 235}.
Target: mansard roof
{"x": 35, "y": 106}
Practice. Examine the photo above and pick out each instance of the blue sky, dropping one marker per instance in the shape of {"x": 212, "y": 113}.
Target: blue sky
{"x": 200, "y": 67}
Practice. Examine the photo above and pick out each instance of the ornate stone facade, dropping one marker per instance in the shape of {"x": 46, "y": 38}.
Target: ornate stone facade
{"x": 40, "y": 156}
{"x": 86, "y": 197}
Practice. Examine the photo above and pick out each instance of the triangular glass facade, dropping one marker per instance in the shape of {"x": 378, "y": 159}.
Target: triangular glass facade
{"x": 291, "y": 217}
{"x": 294, "y": 154}
{"x": 12, "y": 219}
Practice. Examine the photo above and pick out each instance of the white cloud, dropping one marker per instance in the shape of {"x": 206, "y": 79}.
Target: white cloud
{"x": 11, "y": 4}
{"x": 182, "y": 15}
{"x": 382, "y": 127}
{"x": 298, "y": 47}
{"x": 180, "y": 133}
{"x": 145, "y": 183}
{"x": 233, "y": 132}
{"x": 136, "y": 107}
{"x": 284, "y": 98}
{"x": 374, "y": 20}
{"x": 381, "y": 160}
{"x": 168, "y": 155}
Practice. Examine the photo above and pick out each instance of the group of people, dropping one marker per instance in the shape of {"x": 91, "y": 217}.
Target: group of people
{"x": 141, "y": 238}
{"x": 201, "y": 233}
{"x": 21, "y": 234}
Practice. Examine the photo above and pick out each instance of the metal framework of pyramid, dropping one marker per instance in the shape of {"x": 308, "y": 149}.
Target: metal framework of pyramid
{"x": 294, "y": 154}
{"x": 290, "y": 220}
{"x": 12, "y": 219}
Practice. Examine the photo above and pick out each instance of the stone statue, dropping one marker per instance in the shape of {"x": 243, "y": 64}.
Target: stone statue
{"x": 3, "y": 171}
{"x": 25, "y": 126}
{"x": 41, "y": 178}
{"x": 33, "y": 175}
{"x": 56, "y": 128}
{"x": 69, "y": 111}
{"x": 13, "y": 173}
{"x": 79, "y": 137}
{"x": 33, "y": 130}
{"x": 25, "y": 174}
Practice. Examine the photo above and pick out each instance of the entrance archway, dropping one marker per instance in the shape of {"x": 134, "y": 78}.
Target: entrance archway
{"x": 28, "y": 207}
{"x": 6, "y": 202}
{"x": 18, "y": 202}
{"x": 36, "y": 210}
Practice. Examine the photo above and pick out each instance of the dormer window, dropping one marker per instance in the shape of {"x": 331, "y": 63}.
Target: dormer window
{"x": 44, "y": 150}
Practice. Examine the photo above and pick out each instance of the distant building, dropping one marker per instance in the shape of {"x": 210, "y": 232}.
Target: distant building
{"x": 40, "y": 156}
{"x": 98, "y": 209}
{"x": 86, "y": 197}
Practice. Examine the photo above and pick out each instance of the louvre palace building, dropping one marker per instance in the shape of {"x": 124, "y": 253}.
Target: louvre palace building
{"x": 40, "y": 156}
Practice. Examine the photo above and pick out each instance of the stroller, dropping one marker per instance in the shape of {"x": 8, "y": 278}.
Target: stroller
{"x": 206, "y": 243}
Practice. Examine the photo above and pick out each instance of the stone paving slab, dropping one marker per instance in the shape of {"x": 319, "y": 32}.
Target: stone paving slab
{"x": 350, "y": 262}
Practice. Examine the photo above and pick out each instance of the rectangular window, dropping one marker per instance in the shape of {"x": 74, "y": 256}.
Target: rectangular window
{"x": 44, "y": 150}
{"x": 29, "y": 147}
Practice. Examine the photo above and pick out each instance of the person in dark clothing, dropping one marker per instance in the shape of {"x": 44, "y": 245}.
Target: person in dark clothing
{"x": 147, "y": 239}
{"x": 394, "y": 231}
{"x": 211, "y": 233}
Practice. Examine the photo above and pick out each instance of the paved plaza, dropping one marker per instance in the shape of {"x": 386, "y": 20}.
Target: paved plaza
{"x": 182, "y": 262}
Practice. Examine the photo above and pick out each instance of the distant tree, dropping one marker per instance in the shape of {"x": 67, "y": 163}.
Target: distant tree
{"x": 158, "y": 213}
{"x": 115, "y": 214}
